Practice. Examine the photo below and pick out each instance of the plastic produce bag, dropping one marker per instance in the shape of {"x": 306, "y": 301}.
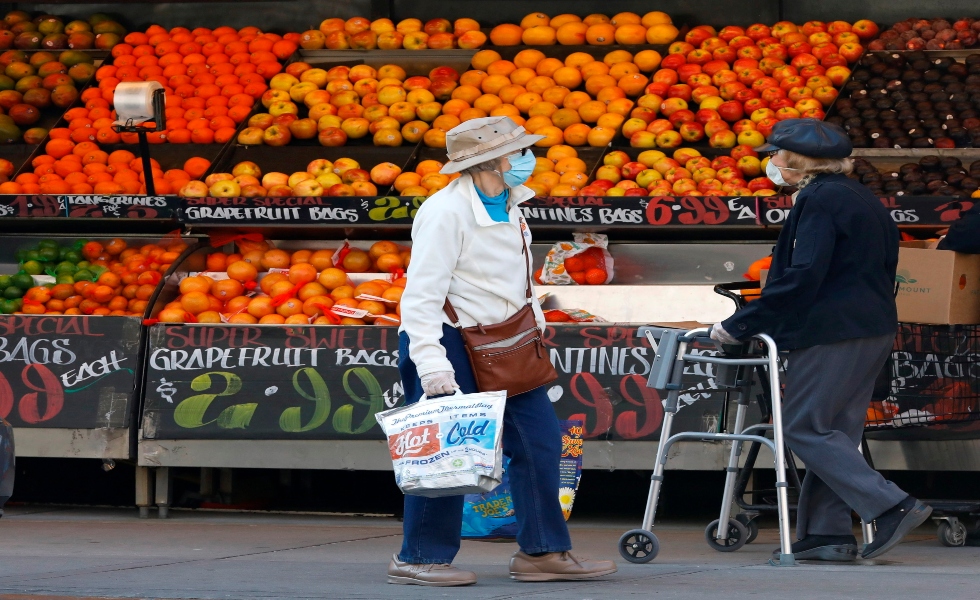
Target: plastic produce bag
{"x": 447, "y": 446}
{"x": 490, "y": 515}
{"x": 585, "y": 261}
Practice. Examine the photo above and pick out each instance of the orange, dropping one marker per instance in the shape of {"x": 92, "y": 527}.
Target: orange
{"x": 633, "y": 84}
{"x": 322, "y": 259}
{"x": 597, "y": 82}
{"x": 539, "y": 36}
{"x": 655, "y": 18}
{"x": 242, "y": 271}
{"x": 555, "y": 95}
{"x": 631, "y": 34}
{"x": 571, "y": 34}
{"x": 388, "y": 263}
{"x": 622, "y": 69}
{"x": 273, "y": 319}
{"x": 482, "y": 59}
{"x": 663, "y": 33}
{"x": 528, "y": 58}
{"x": 310, "y": 290}
{"x": 290, "y": 307}
{"x": 593, "y": 68}
{"x": 625, "y": 18}
{"x": 569, "y": 77}
{"x": 302, "y": 273}
{"x": 552, "y": 136}
{"x": 315, "y": 305}
{"x": 548, "y": 66}
{"x": 332, "y": 278}
{"x": 243, "y": 319}
{"x": 536, "y": 19}
{"x": 542, "y": 109}
{"x": 576, "y": 134}
{"x": 260, "y": 306}
{"x": 195, "y": 302}
{"x": 565, "y": 117}
{"x": 270, "y": 280}
{"x": 601, "y": 34}
{"x": 525, "y": 101}
{"x": 196, "y": 283}
{"x": 504, "y": 35}
{"x": 540, "y": 84}
{"x": 595, "y": 18}
{"x": 226, "y": 289}
{"x": 275, "y": 259}
{"x": 501, "y": 67}
{"x": 647, "y": 60}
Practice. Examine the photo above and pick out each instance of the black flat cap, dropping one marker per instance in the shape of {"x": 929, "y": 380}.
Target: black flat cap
{"x": 808, "y": 137}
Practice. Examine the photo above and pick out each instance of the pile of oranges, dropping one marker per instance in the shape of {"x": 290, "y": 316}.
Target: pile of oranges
{"x": 70, "y": 168}
{"x": 579, "y": 101}
{"x": 538, "y": 29}
{"x": 559, "y": 173}
{"x": 267, "y": 285}
{"x": 128, "y": 277}
{"x": 211, "y": 78}
{"x": 361, "y": 33}
{"x": 425, "y": 180}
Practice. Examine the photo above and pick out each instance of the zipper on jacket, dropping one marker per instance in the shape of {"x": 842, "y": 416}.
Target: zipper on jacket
{"x": 505, "y": 342}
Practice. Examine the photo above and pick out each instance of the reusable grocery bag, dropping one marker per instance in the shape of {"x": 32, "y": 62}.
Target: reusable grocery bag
{"x": 447, "y": 446}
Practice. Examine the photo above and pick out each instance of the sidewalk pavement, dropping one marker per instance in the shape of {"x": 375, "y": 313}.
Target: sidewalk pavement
{"x": 95, "y": 553}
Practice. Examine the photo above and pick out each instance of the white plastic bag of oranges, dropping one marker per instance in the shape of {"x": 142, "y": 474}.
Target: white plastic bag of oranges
{"x": 586, "y": 261}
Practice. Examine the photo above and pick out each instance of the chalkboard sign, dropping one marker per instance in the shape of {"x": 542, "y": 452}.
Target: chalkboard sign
{"x": 279, "y": 382}
{"x": 92, "y": 206}
{"x": 76, "y": 372}
{"x": 904, "y": 210}
{"x": 601, "y": 212}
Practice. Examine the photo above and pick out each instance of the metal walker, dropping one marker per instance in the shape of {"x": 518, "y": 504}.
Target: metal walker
{"x": 666, "y": 373}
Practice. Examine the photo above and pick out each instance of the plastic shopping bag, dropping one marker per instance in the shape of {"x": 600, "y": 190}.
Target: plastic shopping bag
{"x": 447, "y": 446}
{"x": 490, "y": 516}
{"x": 586, "y": 261}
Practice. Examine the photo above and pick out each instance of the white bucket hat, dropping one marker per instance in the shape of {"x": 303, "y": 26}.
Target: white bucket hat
{"x": 480, "y": 140}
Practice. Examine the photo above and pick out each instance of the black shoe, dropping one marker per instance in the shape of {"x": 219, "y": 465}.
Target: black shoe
{"x": 894, "y": 524}
{"x": 837, "y": 548}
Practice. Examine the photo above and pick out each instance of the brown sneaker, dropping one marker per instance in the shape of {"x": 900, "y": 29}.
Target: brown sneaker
{"x": 557, "y": 566}
{"x": 435, "y": 575}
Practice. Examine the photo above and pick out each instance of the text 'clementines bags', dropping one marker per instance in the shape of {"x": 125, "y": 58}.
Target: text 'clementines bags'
{"x": 508, "y": 356}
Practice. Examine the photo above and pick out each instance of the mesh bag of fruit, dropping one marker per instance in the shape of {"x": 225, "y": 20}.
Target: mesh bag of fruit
{"x": 584, "y": 261}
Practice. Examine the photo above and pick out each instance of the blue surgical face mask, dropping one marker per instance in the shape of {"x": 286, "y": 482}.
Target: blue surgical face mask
{"x": 521, "y": 166}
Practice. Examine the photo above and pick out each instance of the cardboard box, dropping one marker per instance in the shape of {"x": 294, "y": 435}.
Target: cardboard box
{"x": 937, "y": 286}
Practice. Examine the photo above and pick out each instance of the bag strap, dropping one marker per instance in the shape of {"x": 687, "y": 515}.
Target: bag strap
{"x": 447, "y": 306}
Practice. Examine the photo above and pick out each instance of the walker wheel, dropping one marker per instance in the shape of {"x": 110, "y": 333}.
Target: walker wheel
{"x": 750, "y": 524}
{"x": 952, "y": 535}
{"x": 737, "y": 536}
{"x": 639, "y": 546}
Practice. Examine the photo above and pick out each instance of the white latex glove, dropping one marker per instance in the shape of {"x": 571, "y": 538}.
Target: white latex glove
{"x": 719, "y": 334}
{"x": 439, "y": 383}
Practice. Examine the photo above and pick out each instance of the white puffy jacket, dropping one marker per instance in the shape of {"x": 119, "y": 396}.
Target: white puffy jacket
{"x": 460, "y": 252}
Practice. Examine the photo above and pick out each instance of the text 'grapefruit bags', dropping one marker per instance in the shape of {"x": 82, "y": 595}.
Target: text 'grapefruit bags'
{"x": 447, "y": 446}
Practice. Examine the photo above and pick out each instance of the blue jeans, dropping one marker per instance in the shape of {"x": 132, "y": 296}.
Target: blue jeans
{"x": 532, "y": 441}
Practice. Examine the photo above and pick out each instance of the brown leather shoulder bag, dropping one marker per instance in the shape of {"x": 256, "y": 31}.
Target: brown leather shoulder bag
{"x": 509, "y": 355}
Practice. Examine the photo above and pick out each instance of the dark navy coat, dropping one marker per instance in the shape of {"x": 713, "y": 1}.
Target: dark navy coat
{"x": 964, "y": 234}
{"x": 833, "y": 270}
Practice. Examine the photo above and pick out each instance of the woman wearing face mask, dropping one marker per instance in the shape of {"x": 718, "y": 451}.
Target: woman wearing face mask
{"x": 830, "y": 300}
{"x": 470, "y": 245}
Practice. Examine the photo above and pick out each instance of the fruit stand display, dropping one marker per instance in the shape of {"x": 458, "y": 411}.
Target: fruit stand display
{"x": 71, "y": 357}
{"x": 304, "y": 154}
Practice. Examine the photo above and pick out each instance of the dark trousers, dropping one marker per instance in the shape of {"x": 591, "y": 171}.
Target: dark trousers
{"x": 828, "y": 391}
{"x": 532, "y": 441}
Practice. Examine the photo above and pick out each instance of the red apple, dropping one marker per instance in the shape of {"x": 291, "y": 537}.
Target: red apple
{"x": 731, "y": 111}
{"x": 669, "y": 139}
{"x": 631, "y": 169}
{"x": 728, "y": 55}
{"x": 332, "y": 136}
{"x": 681, "y": 116}
{"x": 716, "y": 126}
{"x": 865, "y": 29}
{"x": 706, "y": 114}
{"x": 692, "y": 131}
{"x": 659, "y": 126}
{"x": 680, "y": 90}
{"x": 802, "y": 60}
{"x": 755, "y": 104}
{"x": 744, "y": 125}
{"x": 742, "y": 150}
{"x": 758, "y": 31}
{"x": 838, "y": 75}
{"x": 812, "y": 71}
{"x": 833, "y": 60}
{"x": 851, "y": 52}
